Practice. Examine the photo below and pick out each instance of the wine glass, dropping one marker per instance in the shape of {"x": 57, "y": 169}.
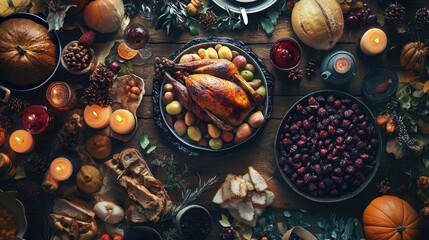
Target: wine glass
{"x": 136, "y": 37}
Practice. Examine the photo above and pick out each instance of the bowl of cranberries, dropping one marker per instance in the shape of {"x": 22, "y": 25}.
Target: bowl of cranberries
{"x": 328, "y": 147}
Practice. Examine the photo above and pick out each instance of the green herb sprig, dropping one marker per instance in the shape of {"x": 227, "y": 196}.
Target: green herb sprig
{"x": 189, "y": 195}
{"x": 339, "y": 228}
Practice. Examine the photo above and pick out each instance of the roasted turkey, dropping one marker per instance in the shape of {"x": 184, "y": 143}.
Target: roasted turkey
{"x": 213, "y": 89}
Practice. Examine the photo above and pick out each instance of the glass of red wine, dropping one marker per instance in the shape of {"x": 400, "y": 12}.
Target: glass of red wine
{"x": 285, "y": 54}
{"x": 136, "y": 37}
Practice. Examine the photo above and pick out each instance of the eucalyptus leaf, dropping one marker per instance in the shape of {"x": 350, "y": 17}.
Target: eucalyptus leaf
{"x": 348, "y": 229}
{"x": 334, "y": 234}
{"x": 144, "y": 141}
{"x": 151, "y": 149}
{"x": 268, "y": 26}
{"x": 287, "y": 214}
{"x": 56, "y": 14}
{"x": 322, "y": 223}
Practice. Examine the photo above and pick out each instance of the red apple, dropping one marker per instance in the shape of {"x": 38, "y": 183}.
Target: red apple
{"x": 115, "y": 67}
{"x": 240, "y": 61}
{"x": 105, "y": 237}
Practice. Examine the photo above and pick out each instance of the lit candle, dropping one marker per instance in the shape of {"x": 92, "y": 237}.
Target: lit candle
{"x": 21, "y": 141}
{"x": 122, "y": 121}
{"x": 61, "y": 96}
{"x": 61, "y": 169}
{"x": 373, "y": 42}
{"x": 342, "y": 65}
{"x": 96, "y": 116}
{"x": 37, "y": 119}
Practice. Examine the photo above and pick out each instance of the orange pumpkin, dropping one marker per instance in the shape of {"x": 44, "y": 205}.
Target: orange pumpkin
{"x": 390, "y": 218}
{"x": 413, "y": 56}
{"x": 104, "y": 16}
{"x": 27, "y": 53}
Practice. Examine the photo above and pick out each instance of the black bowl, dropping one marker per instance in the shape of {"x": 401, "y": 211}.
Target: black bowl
{"x": 371, "y": 120}
{"x": 55, "y": 39}
{"x": 187, "y": 146}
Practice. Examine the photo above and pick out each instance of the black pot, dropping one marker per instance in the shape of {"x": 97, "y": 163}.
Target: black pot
{"x": 57, "y": 42}
{"x": 378, "y": 156}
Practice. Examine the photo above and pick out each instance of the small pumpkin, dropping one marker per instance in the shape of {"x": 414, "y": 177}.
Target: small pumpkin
{"x": 413, "y": 56}
{"x": 89, "y": 179}
{"x": 318, "y": 23}
{"x": 104, "y": 16}
{"x": 390, "y": 218}
{"x": 27, "y": 53}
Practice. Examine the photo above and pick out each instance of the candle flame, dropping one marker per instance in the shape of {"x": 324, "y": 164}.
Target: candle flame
{"x": 19, "y": 140}
{"x": 376, "y": 40}
{"x": 96, "y": 115}
{"x": 55, "y": 91}
{"x": 119, "y": 118}
{"x": 59, "y": 168}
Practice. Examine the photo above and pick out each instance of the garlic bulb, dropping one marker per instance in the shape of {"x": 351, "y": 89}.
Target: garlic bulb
{"x": 109, "y": 212}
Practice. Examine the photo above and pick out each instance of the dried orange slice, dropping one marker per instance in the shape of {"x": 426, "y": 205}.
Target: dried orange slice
{"x": 125, "y": 52}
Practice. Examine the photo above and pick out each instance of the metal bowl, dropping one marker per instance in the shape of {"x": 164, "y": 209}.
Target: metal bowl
{"x": 192, "y": 148}
{"x": 55, "y": 39}
{"x": 371, "y": 120}
{"x": 9, "y": 200}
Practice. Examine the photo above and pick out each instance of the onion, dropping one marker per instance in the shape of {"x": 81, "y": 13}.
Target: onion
{"x": 109, "y": 212}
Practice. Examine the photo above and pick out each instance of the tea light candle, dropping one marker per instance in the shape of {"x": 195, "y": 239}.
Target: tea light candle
{"x": 61, "y": 169}
{"x": 342, "y": 65}
{"x": 96, "y": 116}
{"x": 21, "y": 141}
{"x": 37, "y": 119}
{"x": 122, "y": 121}
{"x": 373, "y": 42}
{"x": 61, "y": 96}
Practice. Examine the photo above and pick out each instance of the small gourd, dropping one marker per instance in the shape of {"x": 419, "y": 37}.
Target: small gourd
{"x": 89, "y": 179}
{"x": 413, "y": 56}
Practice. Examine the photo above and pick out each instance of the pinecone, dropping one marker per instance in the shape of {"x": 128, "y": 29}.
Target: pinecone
{"x": 394, "y": 13}
{"x": 310, "y": 68}
{"x": 5, "y": 122}
{"x": 228, "y": 233}
{"x": 16, "y": 105}
{"x": 422, "y": 18}
{"x": 29, "y": 189}
{"x": 295, "y": 74}
{"x": 208, "y": 20}
{"x": 36, "y": 165}
{"x": 102, "y": 76}
{"x": 70, "y": 135}
{"x": 99, "y": 89}
{"x": 423, "y": 182}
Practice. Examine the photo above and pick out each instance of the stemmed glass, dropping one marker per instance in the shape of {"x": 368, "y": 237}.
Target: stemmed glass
{"x": 136, "y": 37}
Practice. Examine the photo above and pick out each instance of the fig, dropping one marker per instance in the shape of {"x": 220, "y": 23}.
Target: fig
{"x": 215, "y": 143}
{"x": 249, "y": 67}
{"x": 190, "y": 118}
{"x": 213, "y": 131}
{"x": 217, "y": 46}
{"x": 255, "y": 83}
{"x": 256, "y": 119}
{"x": 168, "y": 87}
{"x": 186, "y": 58}
{"x": 234, "y": 54}
{"x": 167, "y": 98}
{"x": 115, "y": 67}
{"x": 227, "y": 136}
{"x": 244, "y": 131}
{"x": 169, "y": 120}
{"x": 194, "y": 133}
{"x": 174, "y": 108}
{"x": 180, "y": 127}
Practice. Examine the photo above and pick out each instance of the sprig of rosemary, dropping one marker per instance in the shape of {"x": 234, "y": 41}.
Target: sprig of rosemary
{"x": 189, "y": 195}
{"x": 175, "y": 172}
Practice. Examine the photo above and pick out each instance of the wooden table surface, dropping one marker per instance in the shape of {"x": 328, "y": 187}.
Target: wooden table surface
{"x": 259, "y": 154}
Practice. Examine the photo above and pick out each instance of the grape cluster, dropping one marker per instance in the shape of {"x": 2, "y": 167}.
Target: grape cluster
{"x": 361, "y": 17}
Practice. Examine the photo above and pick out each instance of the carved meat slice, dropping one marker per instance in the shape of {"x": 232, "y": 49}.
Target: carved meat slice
{"x": 69, "y": 209}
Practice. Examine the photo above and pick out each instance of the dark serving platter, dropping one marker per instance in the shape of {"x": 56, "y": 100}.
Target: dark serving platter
{"x": 192, "y": 149}
{"x": 55, "y": 39}
{"x": 378, "y": 155}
